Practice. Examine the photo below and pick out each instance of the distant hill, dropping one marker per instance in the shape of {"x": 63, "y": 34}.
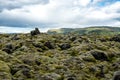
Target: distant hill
{"x": 88, "y": 30}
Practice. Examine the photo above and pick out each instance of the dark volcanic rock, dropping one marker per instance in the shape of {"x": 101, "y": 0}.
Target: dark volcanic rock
{"x": 99, "y": 55}
{"x": 26, "y": 72}
{"x": 38, "y": 45}
{"x": 101, "y": 74}
{"x": 49, "y": 44}
{"x": 115, "y": 38}
{"x": 35, "y": 32}
{"x": 116, "y": 75}
{"x": 8, "y": 48}
{"x": 116, "y": 65}
{"x": 65, "y": 46}
{"x": 73, "y": 38}
{"x": 71, "y": 78}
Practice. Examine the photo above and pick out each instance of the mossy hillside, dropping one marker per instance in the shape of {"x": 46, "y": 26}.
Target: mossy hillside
{"x": 99, "y": 30}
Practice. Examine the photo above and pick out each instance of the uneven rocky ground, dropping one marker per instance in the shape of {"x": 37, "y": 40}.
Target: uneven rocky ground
{"x": 59, "y": 57}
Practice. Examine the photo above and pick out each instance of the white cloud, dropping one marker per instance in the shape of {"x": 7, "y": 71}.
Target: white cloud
{"x": 82, "y": 2}
{"x": 5, "y": 29}
{"x": 96, "y": 1}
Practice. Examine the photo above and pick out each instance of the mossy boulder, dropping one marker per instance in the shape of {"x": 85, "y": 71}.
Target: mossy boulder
{"x": 15, "y": 37}
{"x": 4, "y": 71}
{"x": 115, "y": 38}
{"x": 88, "y": 57}
{"x": 17, "y": 67}
{"x": 49, "y": 44}
{"x": 116, "y": 75}
{"x": 65, "y": 46}
{"x": 4, "y": 67}
{"x": 99, "y": 55}
{"x": 70, "y": 77}
{"x": 22, "y": 71}
{"x": 3, "y": 55}
{"x": 73, "y": 38}
{"x": 9, "y": 48}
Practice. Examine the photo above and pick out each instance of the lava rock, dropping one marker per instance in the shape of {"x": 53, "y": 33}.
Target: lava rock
{"x": 88, "y": 57}
{"x": 101, "y": 74}
{"x": 16, "y": 68}
{"x": 37, "y": 44}
{"x": 73, "y": 38}
{"x": 99, "y": 55}
{"x": 116, "y": 75}
{"x": 115, "y": 38}
{"x": 4, "y": 71}
{"x": 8, "y": 48}
{"x": 26, "y": 72}
{"x": 65, "y": 46}
{"x": 24, "y": 48}
{"x": 49, "y": 44}
{"x": 37, "y": 62}
{"x": 116, "y": 65}
{"x": 71, "y": 78}
{"x": 3, "y": 55}
{"x": 35, "y": 32}
{"x": 15, "y": 37}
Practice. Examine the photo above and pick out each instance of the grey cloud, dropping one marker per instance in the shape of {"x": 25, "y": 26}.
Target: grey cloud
{"x": 22, "y": 23}
{"x": 118, "y": 11}
{"x": 118, "y": 18}
{"x": 13, "y": 23}
{"x": 11, "y": 4}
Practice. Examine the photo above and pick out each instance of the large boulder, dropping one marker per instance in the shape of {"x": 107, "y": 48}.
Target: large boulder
{"x": 35, "y": 32}
{"x": 99, "y": 55}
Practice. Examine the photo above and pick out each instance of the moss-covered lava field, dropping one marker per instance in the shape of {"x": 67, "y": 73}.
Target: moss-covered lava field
{"x": 59, "y": 57}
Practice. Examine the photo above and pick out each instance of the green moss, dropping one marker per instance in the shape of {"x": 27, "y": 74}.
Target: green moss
{"x": 4, "y": 71}
{"x": 4, "y": 67}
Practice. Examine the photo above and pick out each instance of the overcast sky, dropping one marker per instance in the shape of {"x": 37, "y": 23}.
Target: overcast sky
{"x": 24, "y": 15}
